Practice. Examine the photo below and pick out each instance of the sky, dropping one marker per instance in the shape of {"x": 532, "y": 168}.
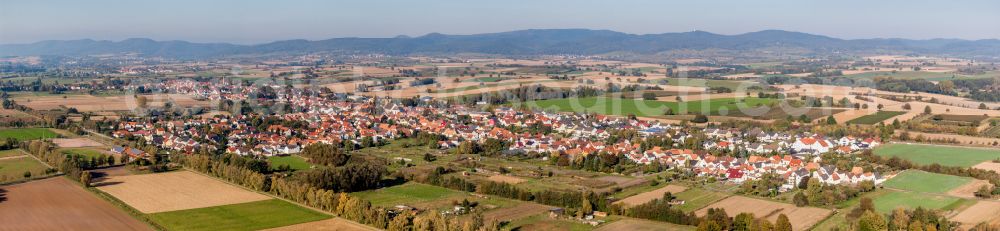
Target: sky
{"x": 258, "y": 21}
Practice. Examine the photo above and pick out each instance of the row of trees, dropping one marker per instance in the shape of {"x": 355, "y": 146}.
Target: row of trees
{"x": 229, "y": 172}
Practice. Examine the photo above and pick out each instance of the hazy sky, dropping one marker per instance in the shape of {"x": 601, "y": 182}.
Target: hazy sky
{"x": 249, "y": 21}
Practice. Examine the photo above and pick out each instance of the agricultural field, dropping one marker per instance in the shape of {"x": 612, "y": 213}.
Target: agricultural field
{"x": 708, "y": 83}
{"x": 633, "y": 224}
{"x": 520, "y": 211}
{"x": 802, "y": 218}
{"x": 60, "y": 204}
{"x": 931, "y": 76}
{"x": 542, "y": 222}
{"x": 87, "y": 152}
{"x": 982, "y": 211}
{"x": 22, "y": 134}
{"x": 180, "y": 190}
{"x": 697, "y": 198}
{"x": 642, "y": 198}
{"x": 911, "y": 200}
{"x": 876, "y": 118}
{"x": 486, "y": 79}
{"x": 407, "y": 194}
{"x": 944, "y": 155}
{"x": 13, "y": 168}
{"x": 292, "y": 161}
{"x": 76, "y": 142}
{"x": 648, "y": 108}
{"x": 11, "y": 153}
{"x": 920, "y": 181}
{"x": 244, "y": 216}
{"x": 332, "y": 224}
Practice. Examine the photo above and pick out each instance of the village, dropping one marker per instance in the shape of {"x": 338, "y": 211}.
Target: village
{"x": 573, "y": 135}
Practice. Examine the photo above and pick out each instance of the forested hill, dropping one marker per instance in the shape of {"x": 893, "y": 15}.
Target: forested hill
{"x": 523, "y": 42}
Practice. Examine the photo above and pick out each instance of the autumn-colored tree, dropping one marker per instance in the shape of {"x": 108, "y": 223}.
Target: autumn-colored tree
{"x": 782, "y": 224}
{"x": 871, "y": 221}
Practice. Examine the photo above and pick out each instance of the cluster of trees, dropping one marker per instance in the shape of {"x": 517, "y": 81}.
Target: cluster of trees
{"x": 489, "y": 147}
{"x": 716, "y": 219}
{"x": 229, "y": 172}
{"x": 601, "y": 162}
{"x": 919, "y": 219}
{"x": 979, "y": 89}
{"x": 659, "y": 209}
{"x": 45, "y": 151}
{"x": 353, "y": 176}
{"x": 325, "y": 154}
{"x": 348, "y": 207}
{"x": 907, "y": 85}
{"x": 572, "y": 200}
{"x": 818, "y": 194}
{"x": 526, "y": 93}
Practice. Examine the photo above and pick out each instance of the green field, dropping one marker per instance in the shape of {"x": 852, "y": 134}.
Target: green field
{"x": 14, "y": 168}
{"x": 88, "y": 152}
{"x": 875, "y": 118}
{"x": 697, "y": 198}
{"x": 244, "y": 216}
{"x": 542, "y": 221}
{"x": 920, "y": 181}
{"x": 731, "y": 84}
{"x": 943, "y": 155}
{"x": 293, "y": 161}
{"x": 486, "y": 79}
{"x": 624, "y": 107}
{"x": 406, "y": 194}
{"x": 22, "y": 134}
{"x": 12, "y": 152}
{"x": 912, "y": 200}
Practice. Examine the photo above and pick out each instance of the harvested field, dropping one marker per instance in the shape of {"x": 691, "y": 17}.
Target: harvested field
{"x": 90, "y": 103}
{"x": 59, "y": 204}
{"x": 971, "y": 140}
{"x": 641, "y": 225}
{"x": 988, "y": 165}
{"x": 76, "y": 142}
{"x": 802, "y": 218}
{"x": 968, "y": 190}
{"x": 152, "y": 193}
{"x": 332, "y": 224}
{"x": 505, "y": 179}
{"x": 642, "y": 198}
{"x": 517, "y": 212}
{"x": 982, "y": 211}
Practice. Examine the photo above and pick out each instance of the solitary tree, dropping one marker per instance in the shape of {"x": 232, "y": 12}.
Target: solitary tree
{"x": 782, "y": 224}
{"x": 85, "y": 178}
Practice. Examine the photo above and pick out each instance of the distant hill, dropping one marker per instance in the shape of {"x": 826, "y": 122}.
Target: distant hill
{"x": 522, "y": 42}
